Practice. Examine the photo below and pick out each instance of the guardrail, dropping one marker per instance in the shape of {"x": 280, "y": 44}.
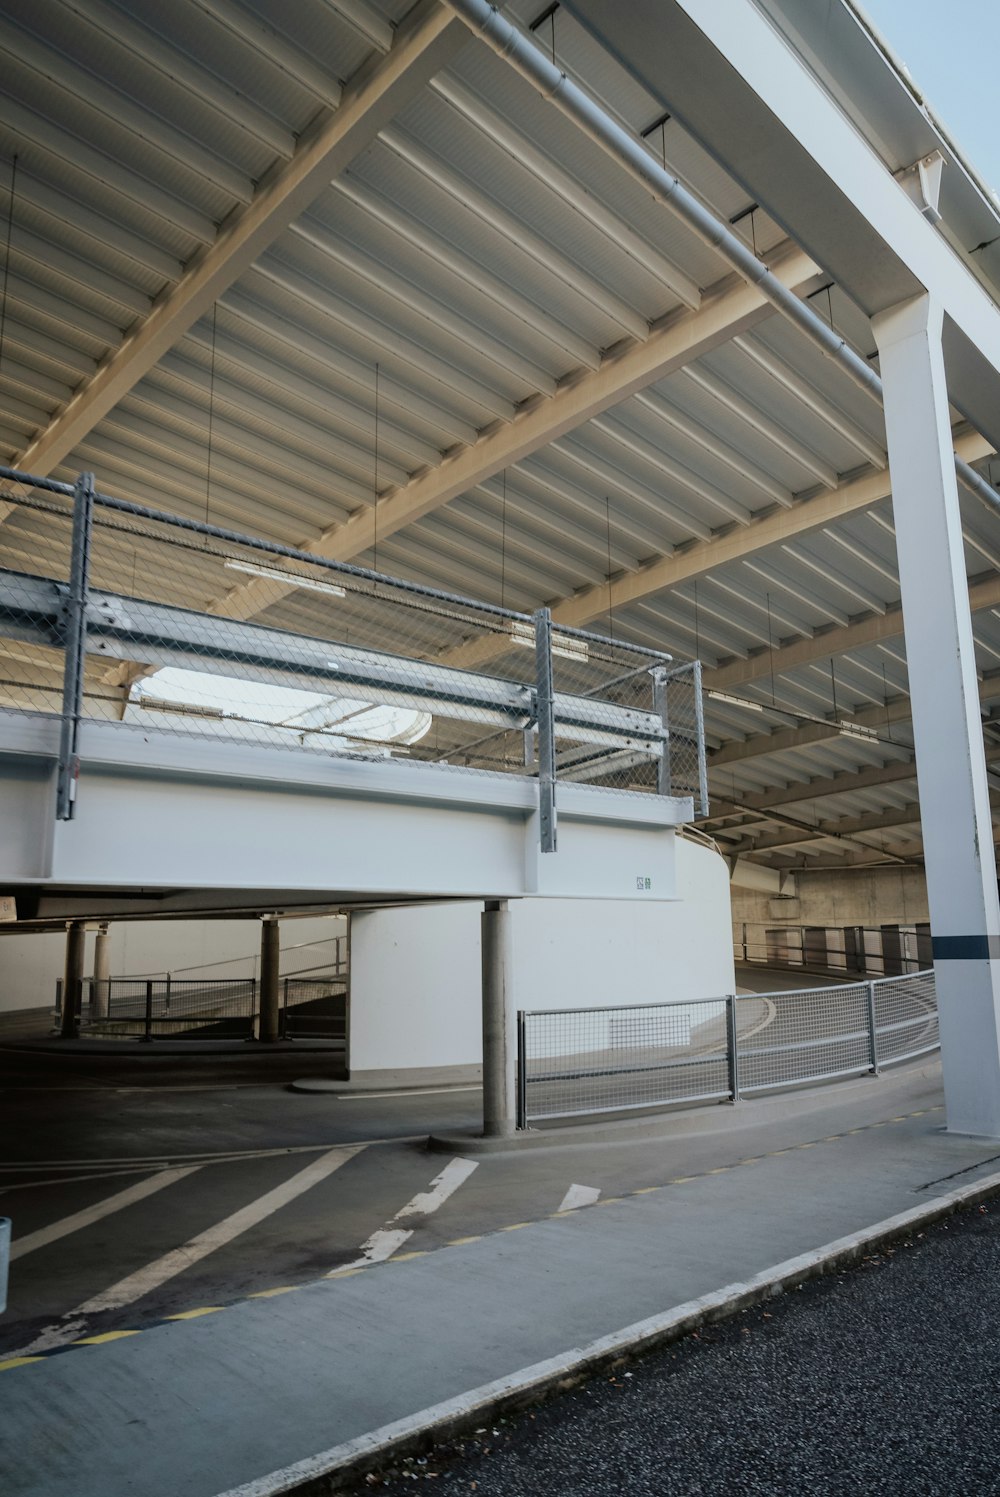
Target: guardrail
{"x": 601, "y": 1060}
{"x": 889, "y": 950}
{"x": 217, "y": 1008}
{"x": 300, "y": 652}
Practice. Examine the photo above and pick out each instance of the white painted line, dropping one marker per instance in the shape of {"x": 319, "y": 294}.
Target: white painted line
{"x": 127, "y": 1290}
{"x": 486, "y": 1401}
{"x": 389, "y": 1239}
{"x": 442, "y": 1186}
{"x": 579, "y": 1195}
{"x": 95, "y": 1213}
{"x": 413, "y": 1091}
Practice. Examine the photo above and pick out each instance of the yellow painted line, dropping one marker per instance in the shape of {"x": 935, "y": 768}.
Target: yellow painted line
{"x": 18, "y": 1362}
{"x": 805, "y": 1146}
{"x": 723, "y": 1169}
{"x": 681, "y": 1179}
{"x": 107, "y": 1336}
{"x": 270, "y": 1293}
{"x": 405, "y": 1257}
{"x": 194, "y": 1314}
{"x": 646, "y": 1190}
{"x": 515, "y": 1226}
{"x": 461, "y": 1241}
{"x": 346, "y": 1273}
{"x": 609, "y": 1201}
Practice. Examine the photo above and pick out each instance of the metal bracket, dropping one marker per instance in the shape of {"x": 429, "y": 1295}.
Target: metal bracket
{"x": 75, "y": 636}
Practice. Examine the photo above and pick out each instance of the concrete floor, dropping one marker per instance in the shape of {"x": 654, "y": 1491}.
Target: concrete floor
{"x": 492, "y": 1278}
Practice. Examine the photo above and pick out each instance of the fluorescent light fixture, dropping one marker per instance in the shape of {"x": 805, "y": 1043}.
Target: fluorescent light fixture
{"x": 723, "y": 696}
{"x": 856, "y": 730}
{"x": 291, "y": 579}
{"x": 562, "y": 644}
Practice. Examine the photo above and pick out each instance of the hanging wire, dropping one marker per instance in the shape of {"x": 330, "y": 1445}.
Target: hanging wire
{"x": 770, "y": 646}
{"x": 6, "y": 262}
{"x": 833, "y": 687}
{"x": 211, "y": 415}
{"x": 885, "y": 698}
{"x": 375, "y": 485}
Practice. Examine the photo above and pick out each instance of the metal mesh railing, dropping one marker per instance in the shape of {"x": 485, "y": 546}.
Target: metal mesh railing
{"x": 115, "y": 613}
{"x": 906, "y": 1016}
{"x": 221, "y": 1008}
{"x": 585, "y": 1061}
{"x": 314, "y": 1008}
{"x": 204, "y": 1008}
{"x": 615, "y": 1059}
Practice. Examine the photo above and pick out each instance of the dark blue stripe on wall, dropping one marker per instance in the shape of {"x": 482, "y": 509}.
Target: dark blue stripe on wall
{"x": 965, "y": 948}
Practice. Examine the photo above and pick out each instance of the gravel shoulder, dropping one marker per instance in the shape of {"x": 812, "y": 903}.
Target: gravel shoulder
{"x": 883, "y": 1378}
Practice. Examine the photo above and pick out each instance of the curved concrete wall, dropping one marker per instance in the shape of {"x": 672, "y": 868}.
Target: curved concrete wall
{"x": 415, "y": 973}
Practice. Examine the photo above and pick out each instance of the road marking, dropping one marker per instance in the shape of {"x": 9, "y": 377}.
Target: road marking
{"x": 420, "y": 1091}
{"x": 95, "y": 1213}
{"x": 579, "y": 1195}
{"x": 381, "y": 1245}
{"x": 128, "y": 1290}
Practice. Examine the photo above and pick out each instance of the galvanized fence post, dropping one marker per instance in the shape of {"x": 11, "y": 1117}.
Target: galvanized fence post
{"x": 147, "y": 1033}
{"x": 544, "y": 708}
{"x": 699, "y": 717}
{"x": 872, "y": 1028}
{"x": 522, "y": 1077}
{"x": 732, "y": 1049}
{"x": 661, "y": 707}
{"x": 74, "y": 620}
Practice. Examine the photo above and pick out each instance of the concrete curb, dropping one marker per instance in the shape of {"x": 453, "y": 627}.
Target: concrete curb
{"x": 332, "y": 1469}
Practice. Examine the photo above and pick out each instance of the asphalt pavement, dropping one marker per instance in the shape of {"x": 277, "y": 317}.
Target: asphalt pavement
{"x": 881, "y": 1379}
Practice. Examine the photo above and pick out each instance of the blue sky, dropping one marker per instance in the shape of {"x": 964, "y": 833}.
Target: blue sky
{"x": 950, "y": 47}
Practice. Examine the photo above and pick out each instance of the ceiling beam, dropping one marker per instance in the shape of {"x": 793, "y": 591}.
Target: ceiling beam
{"x": 421, "y": 47}
{"x": 856, "y": 635}
{"x": 846, "y": 827}
{"x": 683, "y": 337}
{"x": 808, "y": 733}
{"x": 697, "y": 560}
{"x": 847, "y": 783}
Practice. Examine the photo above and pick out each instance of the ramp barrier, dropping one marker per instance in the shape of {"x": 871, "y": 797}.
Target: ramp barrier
{"x": 115, "y": 613}
{"x": 602, "y": 1060}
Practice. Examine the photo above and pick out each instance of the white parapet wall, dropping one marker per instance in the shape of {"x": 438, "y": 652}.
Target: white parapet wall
{"x": 416, "y": 979}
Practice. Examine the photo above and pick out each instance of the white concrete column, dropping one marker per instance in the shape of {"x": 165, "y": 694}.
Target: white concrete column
{"x": 102, "y": 973}
{"x": 947, "y": 727}
{"x": 499, "y": 1023}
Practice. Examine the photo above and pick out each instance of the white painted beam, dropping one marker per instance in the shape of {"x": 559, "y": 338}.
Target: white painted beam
{"x": 944, "y": 696}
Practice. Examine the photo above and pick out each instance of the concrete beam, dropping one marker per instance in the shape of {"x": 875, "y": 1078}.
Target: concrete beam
{"x": 420, "y": 49}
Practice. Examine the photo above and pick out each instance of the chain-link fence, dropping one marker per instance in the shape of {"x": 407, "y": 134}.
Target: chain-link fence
{"x": 577, "y": 1061}
{"x": 113, "y": 612}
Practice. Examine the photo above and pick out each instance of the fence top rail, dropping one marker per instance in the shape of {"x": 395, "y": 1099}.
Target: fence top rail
{"x": 625, "y": 1008}
{"x": 294, "y": 553}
